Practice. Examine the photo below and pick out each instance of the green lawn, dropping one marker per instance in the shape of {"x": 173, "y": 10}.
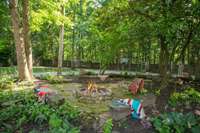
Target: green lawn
{"x": 13, "y": 70}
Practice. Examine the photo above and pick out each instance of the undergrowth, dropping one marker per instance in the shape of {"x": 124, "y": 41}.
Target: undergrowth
{"x": 20, "y": 110}
{"x": 53, "y": 79}
{"x": 176, "y": 123}
{"x": 107, "y": 127}
{"x": 6, "y": 82}
{"x": 189, "y": 96}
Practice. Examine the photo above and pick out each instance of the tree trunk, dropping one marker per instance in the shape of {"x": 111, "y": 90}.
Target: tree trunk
{"x": 164, "y": 57}
{"x": 78, "y": 50}
{"x": 73, "y": 42}
{"x": 130, "y": 56}
{"x": 26, "y": 35}
{"x": 186, "y": 45}
{"x": 197, "y": 68}
{"x": 188, "y": 55}
{"x": 19, "y": 43}
{"x": 154, "y": 56}
{"x": 61, "y": 45}
{"x": 165, "y": 88}
{"x": 79, "y": 36}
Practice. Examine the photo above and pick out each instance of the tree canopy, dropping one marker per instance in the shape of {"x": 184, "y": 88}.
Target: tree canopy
{"x": 107, "y": 31}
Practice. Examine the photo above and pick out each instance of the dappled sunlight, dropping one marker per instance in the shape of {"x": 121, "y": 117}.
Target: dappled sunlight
{"x": 99, "y": 66}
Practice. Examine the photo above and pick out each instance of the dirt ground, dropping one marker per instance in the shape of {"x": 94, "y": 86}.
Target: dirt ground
{"x": 119, "y": 87}
{"x": 95, "y": 112}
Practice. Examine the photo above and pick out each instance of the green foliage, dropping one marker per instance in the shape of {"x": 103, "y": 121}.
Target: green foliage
{"x": 156, "y": 91}
{"x": 8, "y": 71}
{"x": 143, "y": 91}
{"x": 6, "y": 44}
{"x": 176, "y": 122}
{"x": 107, "y": 127}
{"x": 189, "y": 96}
{"x": 104, "y": 31}
{"x": 68, "y": 111}
{"x": 6, "y": 82}
{"x": 54, "y": 121}
{"x": 90, "y": 73}
{"x": 46, "y": 12}
{"x": 21, "y": 108}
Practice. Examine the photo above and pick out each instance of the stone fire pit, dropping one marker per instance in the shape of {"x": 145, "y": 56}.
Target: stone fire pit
{"x": 93, "y": 94}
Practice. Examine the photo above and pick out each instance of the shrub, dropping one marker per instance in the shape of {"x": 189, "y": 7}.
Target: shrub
{"x": 176, "y": 123}
{"x": 21, "y": 108}
{"x": 90, "y": 73}
{"x": 143, "y": 91}
{"x": 190, "y": 95}
{"x": 6, "y": 82}
{"x": 156, "y": 91}
{"x": 107, "y": 127}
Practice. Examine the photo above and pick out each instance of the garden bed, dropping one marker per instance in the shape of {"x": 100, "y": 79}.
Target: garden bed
{"x": 94, "y": 114}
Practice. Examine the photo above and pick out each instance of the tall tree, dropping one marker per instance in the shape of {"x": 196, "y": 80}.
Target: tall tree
{"x": 61, "y": 44}
{"x": 22, "y": 64}
{"x": 26, "y": 35}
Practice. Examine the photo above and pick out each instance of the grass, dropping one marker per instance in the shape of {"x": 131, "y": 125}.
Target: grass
{"x": 8, "y": 70}
{"x": 68, "y": 71}
{"x": 13, "y": 70}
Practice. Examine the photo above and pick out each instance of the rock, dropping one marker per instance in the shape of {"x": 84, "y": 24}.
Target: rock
{"x": 119, "y": 112}
{"x": 89, "y": 119}
{"x": 174, "y": 109}
{"x": 95, "y": 125}
{"x": 101, "y": 94}
{"x": 115, "y": 132}
{"x": 155, "y": 112}
{"x": 83, "y": 72}
{"x": 166, "y": 107}
{"x": 103, "y": 77}
{"x": 197, "y": 112}
{"x": 55, "y": 99}
{"x": 187, "y": 105}
{"x": 148, "y": 100}
{"x": 102, "y": 119}
{"x": 124, "y": 84}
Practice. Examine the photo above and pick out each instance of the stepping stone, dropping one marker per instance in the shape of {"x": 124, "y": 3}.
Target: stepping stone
{"x": 148, "y": 100}
{"x": 55, "y": 99}
{"x": 119, "y": 111}
{"x": 115, "y": 132}
{"x": 102, "y": 119}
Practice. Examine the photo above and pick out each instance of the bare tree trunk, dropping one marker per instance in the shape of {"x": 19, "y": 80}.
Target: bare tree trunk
{"x": 19, "y": 43}
{"x": 26, "y": 35}
{"x": 154, "y": 56}
{"x": 73, "y": 43}
{"x": 197, "y": 68}
{"x": 78, "y": 52}
{"x": 61, "y": 45}
{"x": 130, "y": 56}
